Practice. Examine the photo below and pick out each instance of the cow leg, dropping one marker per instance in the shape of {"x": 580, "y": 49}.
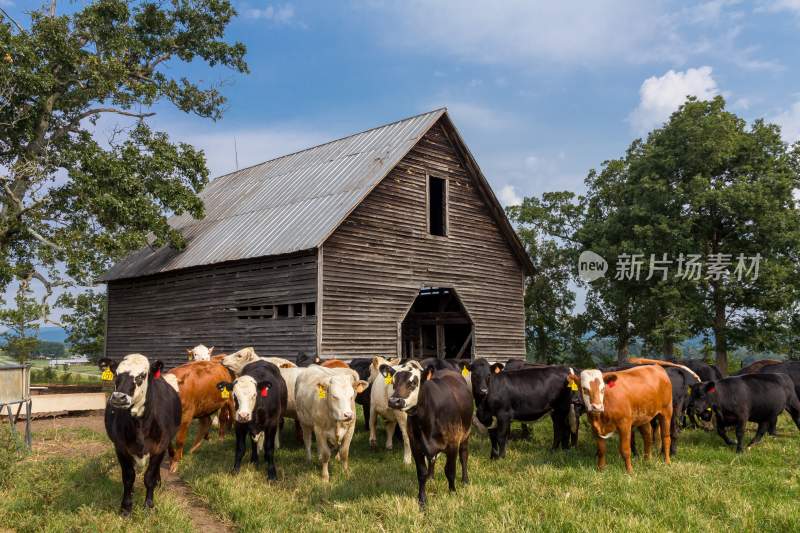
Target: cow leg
{"x": 793, "y": 408}
{"x": 420, "y": 462}
{"x": 526, "y": 432}
{"x": 463, "y": 455}
{"x": 180, "y": 439}
{"x": 558, "y": 430}
{"x": 324, "y": 453}
{"x": 601, "y": 453}
{"x": 432, "y": 465}
{"x": 373, "y": 421}
{"x": 773, "y": 425}
{"x": 344, "y": 449}
{"x": 740, "y": 425}
{"x": 666, "y": 439}
{"x": 255, "y": 441}
{"x": 634, "y": 452}
{"x": 202, "y": 433}
{"x": 128, "y": 478}
{"x": 307, "y": 432}
{"x": 225, "y": 419}
{"x": 503, "y": 431}
{"x": 152, "y": 477}
{"x": 674, "y": 429}
{"x": 625, "y": 446}
{"x": 390, "y": 425}
{"x": 241, "y": 443}
{"x": 402, "y": 421}
{"x": 646, "y": 431}
{"x": 495, "y": 453}
{"x": 269, "y": 452}
{"x": 762, "y": 428}
{"x": 450, "y": 469}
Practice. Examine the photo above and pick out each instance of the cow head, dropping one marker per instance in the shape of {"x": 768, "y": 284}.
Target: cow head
{"x": 304, "y": 360}
{"x": 593, "y": 385}
{"x": 236, "y": 361}
{"x": 246, "y": 394}
{"x": 480, "y": 372}
{"x": 406, "y": 379}
{"x": 199, "y": 353}
{"x": 131, "y": 379}
{"x": 702, "y": 398}
{"x": 339, "y": 391}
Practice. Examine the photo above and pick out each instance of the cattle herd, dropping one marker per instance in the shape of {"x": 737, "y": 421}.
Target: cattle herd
{"x": 435, "y": 403}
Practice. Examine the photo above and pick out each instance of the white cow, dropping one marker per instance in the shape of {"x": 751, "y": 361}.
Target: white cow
{"x": 382, "y": 389}
{"x": 236, "y": 361}
{"x": 199, "y": 353}
{"x": 325, "y": 400}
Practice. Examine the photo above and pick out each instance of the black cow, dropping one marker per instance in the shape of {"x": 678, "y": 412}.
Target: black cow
{"x": 142, "y": 417}
{"x": 304, "y": 360}
{"x": 439, "y": 407}
{"x": 260, "y": 396}
{"x": 790, "y": 368}
{"x": 527, "y": 395}
{"x": 705, "y": 371}
{"x": 736, "y": 400}
{"x": 361, "y": 365}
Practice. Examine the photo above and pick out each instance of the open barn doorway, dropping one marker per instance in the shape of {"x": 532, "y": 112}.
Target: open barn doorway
{"x": 437, "y": 325}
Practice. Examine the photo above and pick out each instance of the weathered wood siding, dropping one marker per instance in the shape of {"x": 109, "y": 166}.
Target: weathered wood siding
{"x": 162, "y": 315}
{"x": 375, "y": 263}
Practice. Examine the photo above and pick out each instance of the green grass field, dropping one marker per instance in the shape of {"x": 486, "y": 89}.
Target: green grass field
{"x": 708, "y": 487}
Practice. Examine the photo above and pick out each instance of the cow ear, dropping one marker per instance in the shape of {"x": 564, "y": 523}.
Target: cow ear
{"x": 611, "y": 378}
{"x": 394, "y": 361}
{"x": 710, "y": 387}
{"x": 222, "y": 385}
{"x": 386, "y": 370}
{"x": 428, "y": 373}
{"x": 155, "y": 369}
{"x": 317, "y": 360}
{"x": 497, "y": 368}
{"x": 190, "y": 354}
{"x": 360, "y": 386}
{"x": 210, "y": 350}
{"x": 263, "y": 388}
{"x": 105, "y": 362}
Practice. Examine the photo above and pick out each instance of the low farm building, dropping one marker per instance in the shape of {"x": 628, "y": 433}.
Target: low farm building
{"x": 387, "y": 242}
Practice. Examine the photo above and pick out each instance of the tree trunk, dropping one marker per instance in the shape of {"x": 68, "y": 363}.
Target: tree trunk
{"x": 668, "y": 348}
{"x": 720, "y": 331}
{"x": 622, "y": 350}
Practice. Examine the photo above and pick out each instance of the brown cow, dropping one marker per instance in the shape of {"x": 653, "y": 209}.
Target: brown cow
{"x": 200, "y": 398}
{"x": 334, "y": 363}
{"x": 618, "y": 401}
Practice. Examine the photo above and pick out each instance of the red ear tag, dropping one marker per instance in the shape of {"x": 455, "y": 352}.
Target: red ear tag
{"x": 611, "y": 384}
{"x": 264, "y": 392}
{"x": 157, "y": 374}
{"x": 712, "y": 389}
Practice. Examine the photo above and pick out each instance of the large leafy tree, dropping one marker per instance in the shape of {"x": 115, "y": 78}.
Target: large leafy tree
{"x": 71, "y": 203}
{"x": 713, "y": 186}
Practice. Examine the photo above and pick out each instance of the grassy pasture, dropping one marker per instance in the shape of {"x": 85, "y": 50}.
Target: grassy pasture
{"x": 708, "y": 487}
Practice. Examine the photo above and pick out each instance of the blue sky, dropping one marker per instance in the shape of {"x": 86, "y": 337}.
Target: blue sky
{"x": 541, "y": 91}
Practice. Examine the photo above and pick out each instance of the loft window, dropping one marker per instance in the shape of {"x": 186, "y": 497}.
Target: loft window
{"x": 311, "y": 309}
{"x": 437, "y": 206}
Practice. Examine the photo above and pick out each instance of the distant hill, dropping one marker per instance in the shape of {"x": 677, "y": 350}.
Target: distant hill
{"x": 52, "y": 334}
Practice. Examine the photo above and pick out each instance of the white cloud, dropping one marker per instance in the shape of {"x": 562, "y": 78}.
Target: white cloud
{"x": 518, "y": 31}
{"x": 283, "y": 14}
{"x": 6, "y": 3}
{"x": 508, "y": 196}
{"x": 789, "y": 121}
{"x": 782, "y": 5}
{"x": 660, "y": 96}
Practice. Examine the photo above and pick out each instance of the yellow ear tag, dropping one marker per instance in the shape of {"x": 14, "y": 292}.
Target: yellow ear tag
{"x": 107, "y": 375}
{"x": 573, "y": 386}
{"x": 321, "y": 391}
{"x": 464, "y": 372}
{"x": 225, "y": 393}
{"x": 689, "y": 391}
{"x": 388, "y": 379}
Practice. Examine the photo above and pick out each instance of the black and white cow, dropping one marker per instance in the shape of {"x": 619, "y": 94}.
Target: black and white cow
{"x": 734, "y": 401}
{"x": 525, "y": 395}
{"x": 260, "y": 398}
{"x": 142, "y": 416}
{"x": 439, "y": 408}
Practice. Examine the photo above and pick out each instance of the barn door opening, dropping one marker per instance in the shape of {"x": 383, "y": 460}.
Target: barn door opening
{"x": 437, "y": 325}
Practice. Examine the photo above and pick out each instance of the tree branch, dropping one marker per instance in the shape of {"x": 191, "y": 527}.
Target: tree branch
{"x": 36, "y": 235}
{"x": 60, "y": 132}
{"x": 9, "y": 17}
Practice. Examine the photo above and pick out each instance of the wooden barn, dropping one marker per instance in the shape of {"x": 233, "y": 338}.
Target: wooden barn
{"x": 386, "y": 242}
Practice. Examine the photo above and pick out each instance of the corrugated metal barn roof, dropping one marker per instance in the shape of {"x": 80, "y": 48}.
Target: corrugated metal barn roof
{"x": 284, "y": 205}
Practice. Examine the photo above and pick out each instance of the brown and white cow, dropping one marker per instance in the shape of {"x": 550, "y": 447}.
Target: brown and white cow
{"x": 199, "y": 353}
{"x": 236, "y": 361}
{"x": 325, "y": 405}
{"x": 381, "y": 378}
{"x": 197, "y": 388}
{"x": 618, "y": 401}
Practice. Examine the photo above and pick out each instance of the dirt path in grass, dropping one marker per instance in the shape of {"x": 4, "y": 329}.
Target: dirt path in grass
{"x": 202, "y": 519}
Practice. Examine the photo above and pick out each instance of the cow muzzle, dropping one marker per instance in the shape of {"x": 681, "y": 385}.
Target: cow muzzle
{"x": 396, "y": 403}
{"x": 595, "y": 408}
{"x": 243, "y": 417}
{"x": 120, "y": 400}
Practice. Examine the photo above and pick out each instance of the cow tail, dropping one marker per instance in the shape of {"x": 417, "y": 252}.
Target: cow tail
{"x": 644, "y": 361}
{"x": 573, "y": 419}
